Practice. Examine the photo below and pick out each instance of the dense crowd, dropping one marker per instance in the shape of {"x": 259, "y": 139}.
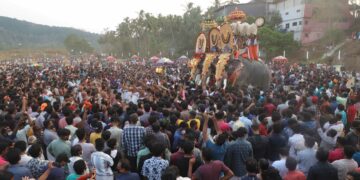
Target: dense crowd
{"x": 91, "y": 119}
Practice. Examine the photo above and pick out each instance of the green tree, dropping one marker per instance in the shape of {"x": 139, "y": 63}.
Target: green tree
{"x": 76, "y": 44}
{"x": 149, "y": 34}
{"x": 275, "y": 19}
{"x": 273, "y": 42}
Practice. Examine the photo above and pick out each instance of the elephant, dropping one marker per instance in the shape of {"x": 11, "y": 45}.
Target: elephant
{"x": 245, "y": 72}
{"x": 237, "y": 72}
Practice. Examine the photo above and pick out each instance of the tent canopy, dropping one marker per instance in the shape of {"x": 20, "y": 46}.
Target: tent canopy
{"x": 183, "y": 58}
{"x": 280, "y": 59}
{"x": 164, "y": 61}
{"x": 110, "y": 58}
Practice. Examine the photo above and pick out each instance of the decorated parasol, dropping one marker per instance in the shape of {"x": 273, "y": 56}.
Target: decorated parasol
{"x": 183, "y": 58}
{"x": 164, "y": 61}
{"x": 280, "y": 59}
{"x": 110, "y": 59}
{"x": 154, "y": 59}
{"x": 134, "y": 57}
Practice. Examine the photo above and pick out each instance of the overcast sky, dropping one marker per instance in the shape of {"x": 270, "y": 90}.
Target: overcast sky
{"x": 91, "y": 15}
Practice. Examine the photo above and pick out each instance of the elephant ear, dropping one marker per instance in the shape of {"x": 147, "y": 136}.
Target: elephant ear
{"x": 253, "y": 29}
{"x": 233, "y": 27}
{"x": 240, "y": 28}
{"x": 246, "y": 26}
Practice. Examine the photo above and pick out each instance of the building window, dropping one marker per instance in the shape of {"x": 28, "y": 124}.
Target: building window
{"x": 298, "y": 10}
{"x": 287, "y": 26}
{"x": 306, "y": 22}
{"x": 294, "y": 23}
{"x": 287, "y": 13}
{"x": 300, "y": 22}
{"x": 306, "y": 35}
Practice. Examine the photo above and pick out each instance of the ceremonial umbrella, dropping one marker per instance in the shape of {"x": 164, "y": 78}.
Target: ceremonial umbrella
{"x": 280, "y": 59}
{"x": 110, "y": 59}
{"x": 154, "y": 59}
{"x": 183, "y": 58}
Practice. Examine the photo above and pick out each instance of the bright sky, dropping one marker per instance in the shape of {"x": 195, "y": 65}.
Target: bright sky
{"x": 91, "y": 15}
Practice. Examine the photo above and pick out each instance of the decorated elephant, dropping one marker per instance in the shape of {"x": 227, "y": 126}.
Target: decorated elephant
{"x": 242, "y": 72}
{"x": 231, "y": 54}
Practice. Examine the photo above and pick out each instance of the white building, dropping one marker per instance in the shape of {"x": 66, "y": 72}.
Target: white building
{"x": 292, "y": 13}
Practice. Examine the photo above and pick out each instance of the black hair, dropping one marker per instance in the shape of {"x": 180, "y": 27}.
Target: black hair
{"x": 291, "y": 163}
{"x": 125, "y": 164}
{"x": 79, "y": 167}
{"x": 3, "y": 146}
{"x": 309, "y": 141}
{"x": 341, "y": 141}
{"x": 97, "y": 125}
{"x": 341, "y": 107}
{"x": 99, "y": 144}
{"x": 170, "y": 173}
{"x": 241, "y": 132}
{"x": 155, "y": 127}
{"x": 219, "y": 115}
{"x": 207, "y": 154}
{"x": 349, "y": 151}
{"x": 76, "y": 150}
{"x": 187, "y": 146}
{"x": 157, "y": 149}
{"x": 63, "y": 132}
{"x": 263, "y": 164}
{"x": 80, "y": 133}
{"x": 62, "y": 158}
{"x": 322, "y": 155}
{"x": 147, "y": 107}
{"x": 251, "y": 165}
{"x": 35, "y": 150}
{"x": 221, "y": 139}
{"x": 13, "y": 156}
{"x": 148, "y": 140}
{"x": 284, "y": 151}
{"x": 21, "y": 145}
{"x": 47, "y": 122}
{"x": 331, "y": 133}
{"x": 275, "y": 116}
{"x": 106, "y": 135}
{"x": 153, "y": 118}
{"x": 255, "y": 126}
{"x": 111, "y": 143}
{"x": 69, "y": 119}
{"x": 277, "y": 128}
{"x": 184, "y": 105}
{"x": 115, "y": 119}
{"x": 133, "y": 118}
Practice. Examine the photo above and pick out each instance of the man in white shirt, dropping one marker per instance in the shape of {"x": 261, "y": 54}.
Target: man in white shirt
{"x": 280, "y": 165}
{"x": 246, "y": 121}
{"x": 70, "y": 127}
{"x": 347, "y": 164}
{"x": 116, "y": 132}
{"x": 21, "y": 145}
{"x": 102, "y": 161}
{"x": 296, "y": 141}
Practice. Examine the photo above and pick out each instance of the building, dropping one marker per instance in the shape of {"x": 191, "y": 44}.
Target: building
{"x": 251, "y": 9}
{"x": 299, "y": 17}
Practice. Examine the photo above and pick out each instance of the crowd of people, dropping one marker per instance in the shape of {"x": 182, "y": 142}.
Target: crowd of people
{"x": 91, "y": 119}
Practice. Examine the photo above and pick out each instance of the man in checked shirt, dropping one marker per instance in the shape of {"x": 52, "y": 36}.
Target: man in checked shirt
{"x": 132, "y": 140}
